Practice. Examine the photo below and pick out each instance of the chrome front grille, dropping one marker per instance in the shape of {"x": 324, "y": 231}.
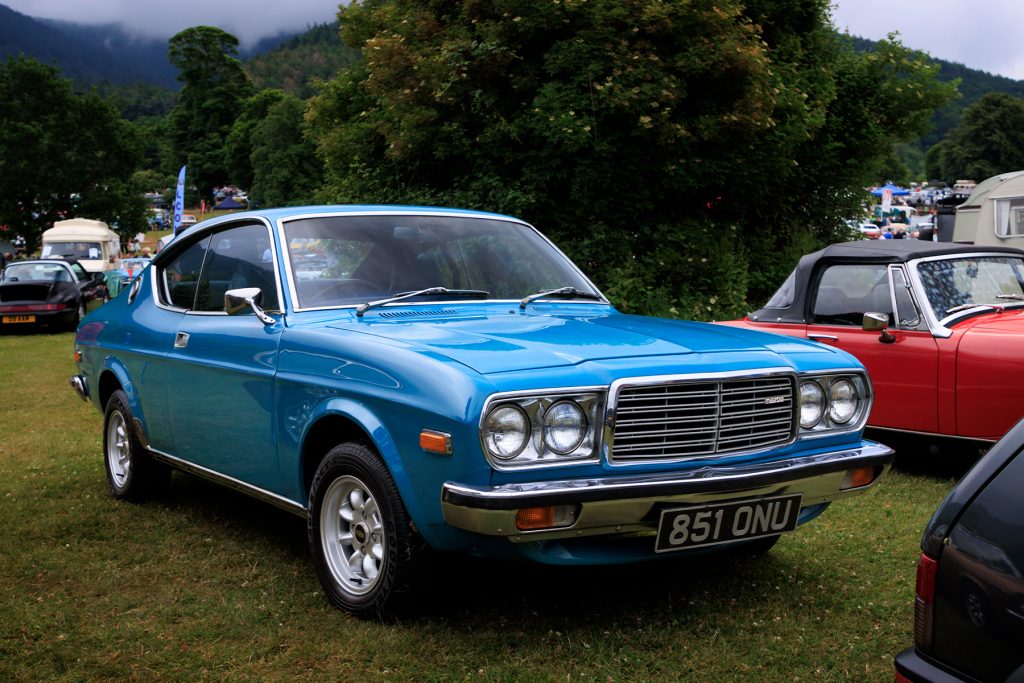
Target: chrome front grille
{"x": 683, "y": 419}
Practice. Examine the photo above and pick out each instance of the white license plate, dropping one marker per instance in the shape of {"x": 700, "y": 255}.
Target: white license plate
{"x": 693, "y": 527}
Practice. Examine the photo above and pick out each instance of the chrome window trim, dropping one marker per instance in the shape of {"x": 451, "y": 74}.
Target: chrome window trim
{"x": 940, "y": 327}
{"x": 913, "y": 298}
{"x": 615, "y": 388}
{"x": 159, "y": 281}
{"x": 290, "y": 276}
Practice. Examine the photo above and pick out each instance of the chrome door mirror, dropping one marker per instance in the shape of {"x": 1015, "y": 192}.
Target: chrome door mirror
{"x": 237, "y": 300}
{"x": 878, "y": 322}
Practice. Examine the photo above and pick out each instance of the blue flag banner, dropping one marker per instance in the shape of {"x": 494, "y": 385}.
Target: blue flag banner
{"x": 179, "y": 200}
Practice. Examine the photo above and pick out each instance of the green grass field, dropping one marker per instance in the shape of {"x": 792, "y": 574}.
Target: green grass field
{"x": 206, "y": 584}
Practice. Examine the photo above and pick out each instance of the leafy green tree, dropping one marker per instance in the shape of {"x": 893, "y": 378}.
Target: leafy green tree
{"x": 683, "y": 153}
{"x": 989, "y": 140}
{"x": 62, "y": 154}
{"x": 239, "y": 143}
{"x": 286, "y": 170}
{"x": 214, "y": 88}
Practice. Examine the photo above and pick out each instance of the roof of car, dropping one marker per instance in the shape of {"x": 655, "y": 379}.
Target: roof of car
{"x": 866, "y": 251}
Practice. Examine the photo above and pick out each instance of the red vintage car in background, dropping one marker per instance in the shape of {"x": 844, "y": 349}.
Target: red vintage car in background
{"x": 939, "y": 326}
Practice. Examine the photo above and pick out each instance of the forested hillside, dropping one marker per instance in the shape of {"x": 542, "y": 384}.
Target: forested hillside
{"x": 973, "y": 84}
{"x": 294, "y": 64}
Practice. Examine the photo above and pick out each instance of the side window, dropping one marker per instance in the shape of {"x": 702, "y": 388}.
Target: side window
{"x": 846, "y": 292}
{"x": 236, "y": 260}
{"x": 907, "y": 314}
{"x": 181, "y": 276}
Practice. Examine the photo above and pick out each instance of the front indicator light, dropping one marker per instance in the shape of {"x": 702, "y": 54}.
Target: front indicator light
{"x": 854, "y": 479}
{"x": 436, "y": 442}
{"x": 547, "y": 517}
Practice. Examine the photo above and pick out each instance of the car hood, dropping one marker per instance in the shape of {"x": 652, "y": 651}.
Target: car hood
{"x": 1011, "y": 320}
{"x": 495, "y": 343}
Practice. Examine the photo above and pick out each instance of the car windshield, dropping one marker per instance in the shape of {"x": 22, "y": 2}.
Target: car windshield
{"x": 73, "y": 250}
{"x": 37, "y": 272}
{"x": 960, "y": 283}
{"x": 344, "y": 260}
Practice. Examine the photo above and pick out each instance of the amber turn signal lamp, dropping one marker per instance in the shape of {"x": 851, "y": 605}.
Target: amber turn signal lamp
{"x": 78, "y": 356}
{"x": 862, "y": 476}
{"x": 436, "y": 442}
{"x": 528, "y": 519}
{"x": 547, "y": 517}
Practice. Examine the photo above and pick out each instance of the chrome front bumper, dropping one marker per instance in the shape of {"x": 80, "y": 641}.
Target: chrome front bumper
{"x": 624, "y": 504}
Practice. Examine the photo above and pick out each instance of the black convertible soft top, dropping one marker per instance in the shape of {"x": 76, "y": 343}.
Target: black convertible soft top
{"x": 792, "y": 304}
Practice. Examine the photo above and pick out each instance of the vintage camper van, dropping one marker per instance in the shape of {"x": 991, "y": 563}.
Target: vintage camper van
{"x": 994, "y": 213}
{"x": 91, "y": 243}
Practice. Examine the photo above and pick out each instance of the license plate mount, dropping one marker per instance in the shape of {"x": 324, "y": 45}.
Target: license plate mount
{"x": 699, "y": 526}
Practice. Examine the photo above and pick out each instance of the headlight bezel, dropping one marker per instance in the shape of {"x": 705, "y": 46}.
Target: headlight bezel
{"x": 535, "y": 405}
{"x": 827, "y": 425}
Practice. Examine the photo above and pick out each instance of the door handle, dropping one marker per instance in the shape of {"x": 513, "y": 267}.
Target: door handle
{"x": 181, "y": 340}
{"x": 822, "y": 337}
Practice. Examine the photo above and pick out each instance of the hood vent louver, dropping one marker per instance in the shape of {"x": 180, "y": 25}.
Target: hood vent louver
{"x": 418, "y": 313}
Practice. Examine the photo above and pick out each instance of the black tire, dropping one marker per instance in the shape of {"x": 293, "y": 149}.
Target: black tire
{"x": 79, "y": 314}
{"x": 131, "y": 473}
{"x": 364, "y": 548}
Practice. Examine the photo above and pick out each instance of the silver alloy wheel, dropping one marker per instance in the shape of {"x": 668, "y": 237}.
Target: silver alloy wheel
{"x": 352, "y": 535}
{"x": 119, "y": 455}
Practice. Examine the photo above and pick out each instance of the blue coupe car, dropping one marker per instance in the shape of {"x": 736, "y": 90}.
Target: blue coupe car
{"x": 448, "y": 380}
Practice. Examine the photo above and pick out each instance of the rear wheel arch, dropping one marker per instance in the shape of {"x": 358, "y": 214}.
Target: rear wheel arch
{"x": 108, "y": 384}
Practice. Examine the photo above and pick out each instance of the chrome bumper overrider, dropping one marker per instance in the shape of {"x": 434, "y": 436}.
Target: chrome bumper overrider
{"x": 624, "y": 504}
{"x": 80, "y": 385}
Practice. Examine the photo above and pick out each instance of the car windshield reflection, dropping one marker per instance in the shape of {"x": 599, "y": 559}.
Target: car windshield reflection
{"x": 959, "y": 284}
{"x": 352, "y": 260}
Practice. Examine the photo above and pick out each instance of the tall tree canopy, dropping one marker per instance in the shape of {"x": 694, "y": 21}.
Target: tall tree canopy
{"x": 61, "y": 154}
{"x": 989, "y": 140}
{"x": 675, "y": 149}
{"x": 214, "y": 89}
{"x": 286, "y": 170}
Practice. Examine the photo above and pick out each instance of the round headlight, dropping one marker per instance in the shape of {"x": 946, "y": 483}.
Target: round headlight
{"x": 843, "y": 405}
{"x": 506, "y": 431}
{"x": 812, "y": 404}
{"x": 565, "y": 427}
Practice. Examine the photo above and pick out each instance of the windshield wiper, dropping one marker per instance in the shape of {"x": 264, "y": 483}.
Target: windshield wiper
{"x": 964, "y": 307}
{"x": 430, "y": 291}
{"x": 561, "y": 293}
{"x": 1012, "y": 297}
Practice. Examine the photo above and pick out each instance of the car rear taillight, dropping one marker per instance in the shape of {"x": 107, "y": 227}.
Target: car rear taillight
{"x": 924, "y": 602}
{"x": 32, "y": 308}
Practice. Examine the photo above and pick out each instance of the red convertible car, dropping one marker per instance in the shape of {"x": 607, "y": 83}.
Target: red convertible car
{"x": 939, "y": 326}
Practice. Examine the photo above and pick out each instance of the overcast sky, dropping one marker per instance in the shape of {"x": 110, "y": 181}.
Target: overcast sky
{"x": 983, "y": 34}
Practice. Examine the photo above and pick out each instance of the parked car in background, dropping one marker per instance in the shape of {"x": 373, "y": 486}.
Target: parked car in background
{"x": 939, "y": 327}
{"x": 131, "y": 268}
{"x": 453, "y": 381}
{"x": 91, "y": 243}
{"x": 870, "y": 231}
{"x": 188, "y": 220}
{"x": 969, "y": 603}
{"x": 47, "y": 293}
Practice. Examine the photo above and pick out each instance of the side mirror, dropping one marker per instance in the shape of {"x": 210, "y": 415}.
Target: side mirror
{"x": 878, "y": 322}
{"x": 237, "y": 300}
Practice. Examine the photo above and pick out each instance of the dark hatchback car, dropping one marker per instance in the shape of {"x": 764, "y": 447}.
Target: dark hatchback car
{"x": 969, "y": 609}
